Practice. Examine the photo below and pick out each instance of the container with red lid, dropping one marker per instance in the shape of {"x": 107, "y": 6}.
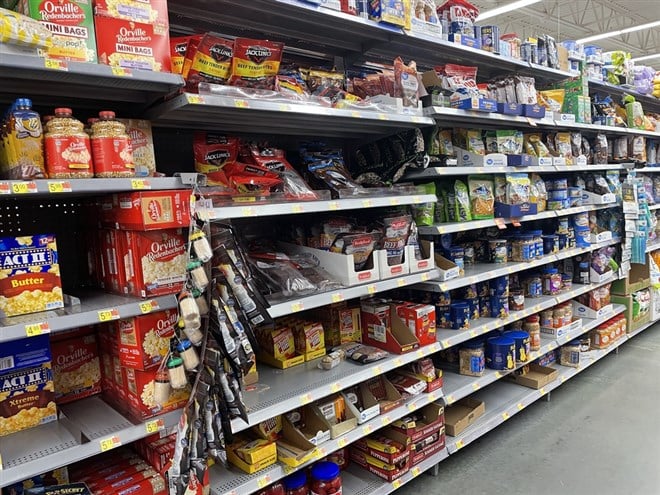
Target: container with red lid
{"x": 111, "y": 147}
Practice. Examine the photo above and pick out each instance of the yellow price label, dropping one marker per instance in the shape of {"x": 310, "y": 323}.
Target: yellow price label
{"x": 412, "y": 407}
{"x": 297, "y": 307}
{"x": 306, "y": 399}
{"x": 367, "y": 203}
{"x": 396, "y": 484}
{"x": 450, "y": 399}
{"x": 24, "y": 187}
{"x": 155, "y": 425}
{"x": 195, "y": 99}
{"x": 505, "y": 416}
{"x": 442, "y": 230}
{"x": 420, "y": 354}
{"x": 110, "y": 443}
{"x": 520, "y": 406}
{"x": 473, "y": 333}
{"x": 148, "y": 306}
{"x": 394, "y": 202}
{"x": 459, "y": 444}
{"x": 50, "y": 63}
{"x": 140, "y": 184}
{"x": 385, "y": 420}
{"x": 284, "y": 108}
{"x": 335, "y": 387}
{"x": 444, "y": 287}
{"x": 377, "y": 371}
{"x": 415, "y": 471}
{"x": 264, "y": 481}
{"x": 59, "y": 186}
{"x": 356, "y": 114}
{"x": 425, "y": 277}
{"x": 342, "y": 442}
{"x": 368, "y": 429}
{"x": 34, "y": 329}
{"x": 248, "y": 211}
{"x": 401, "y": 282}
{"x": 416, "y": 200}
{"x": 338, "y": 297}
{"x": 371, "y": 289}
{"x": 121, "y": 72}
{"x": 498, "y": 375}
{"x": 241, "y": 104}
{"x": 432, "y": 397}
{"x": 108, "y": 315}
{"x": 542, "y": 391}
{"x": 297, "y": 209}
{"x": 562, "y": 379}
{"x": 333, "y": 206}
{"x": 382, "y": 116}
{"x": 398, "y": 362}
{"x": 445, "y": 344}
{"x": 475, "y": 386}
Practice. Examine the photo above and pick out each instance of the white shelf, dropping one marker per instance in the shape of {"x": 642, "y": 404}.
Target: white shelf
{"x": 481, "y": 272}
{"x": 653, "y": 245}
{"x": 298, "y": 207}
{"x": 325, "y": 298}
{"x": 59, "y": 187}
{"x": 77, "y": 435}
{"x": 230, "y": 480}
{"x": 446, "y": 228}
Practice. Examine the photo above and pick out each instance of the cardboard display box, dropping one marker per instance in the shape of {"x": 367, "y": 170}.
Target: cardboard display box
{"x": 294, "y": 447}
{"x": 462, "y": 414}
{"x": 362, "y": 411}
{"x": 638, "y": 278}
{"x": 380, "y": 391}
{"x": 537, "y": 376}
{"x": 427, "y": 447}
{"x": 382, "y": 328}
{"x": 636, "y": 316}
{"x": 336, "y": 428}
{"x": 258, "y": 455}
{"x": 386, "y": 446}
{"x": 381, "y": 469}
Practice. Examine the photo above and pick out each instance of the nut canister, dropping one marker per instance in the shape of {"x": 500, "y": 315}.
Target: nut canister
{"x": 521, "y": 338}
{"x": 460, "y": 315}
{"x": 500, "y": 353}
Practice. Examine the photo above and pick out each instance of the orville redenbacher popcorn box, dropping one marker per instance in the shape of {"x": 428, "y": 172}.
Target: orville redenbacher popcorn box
{"x": 145, "y": 340}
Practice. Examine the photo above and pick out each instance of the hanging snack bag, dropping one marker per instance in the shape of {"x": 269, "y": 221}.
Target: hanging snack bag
{"x": 191, "y": 49}
{"x": 482, "y": 196}
{"x": 178, "y": 49}
{"x": 406, "y": 83}
{"x": 620, "y": 149}
{"x": 638, "y": 149}
{"x": 576, "y": 143}
{"x": 359, "y": 245}
{"x": 563, "y": 146}
{"x": 463, "y": 213}
{"x": 255, "y": 63}
{"x": 212, "y": 152}
{"x": 517, "y": 189}
{"x": 211, "y": 62}
{"x": 396, "y": 231}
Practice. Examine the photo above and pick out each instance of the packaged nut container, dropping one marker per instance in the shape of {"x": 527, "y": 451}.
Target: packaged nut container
{"x": 111, "y": 147}
{"x": 68, "y": 148}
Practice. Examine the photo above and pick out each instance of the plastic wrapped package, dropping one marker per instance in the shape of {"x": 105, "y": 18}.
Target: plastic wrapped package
{"x": 17, "y": 29}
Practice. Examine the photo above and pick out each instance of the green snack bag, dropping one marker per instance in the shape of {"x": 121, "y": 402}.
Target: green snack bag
{"x": 424, "y": 213}
{"x": 463, "y": 212}
{"x": 440, "y": 214}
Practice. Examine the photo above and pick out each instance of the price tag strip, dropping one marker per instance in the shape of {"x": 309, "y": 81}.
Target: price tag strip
{"x": 34, "y": 329}
{"x": 108, "y": 315}
{"x": 110, "y": 443}
{"x": 155, "y": 425}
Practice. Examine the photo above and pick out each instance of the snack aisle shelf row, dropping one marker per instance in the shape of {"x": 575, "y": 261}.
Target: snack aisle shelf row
{"x": 447, "y": 228}
{"x": 233, "y": 482}
{"x": 457, "y": 386}
{"x": 305, "y": 26}
{"x": 90, "y": 308}
{"x": 36, "y": 76}
{"x": 85, "y": 428}
{"x": 431, "y": 173}
{"x": 325, "y": 298}
{"x": 481, "y": 272}
{"x": 650, "y": 103}
{"x": 231, "y": 114}
{"x": 503, "y": 400}
{"x": 297, "y": 207}
{"x": 44, "y": 187}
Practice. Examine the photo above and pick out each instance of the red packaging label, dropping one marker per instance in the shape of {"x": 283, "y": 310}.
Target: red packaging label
{"x": 211, "y": 62}
{"x": 143, "y": 11}
{"x": 67, "y": 154}
{"x": 112, "y": 154}
{"x": 140, "y": 389}
{"x": 76, "y": 368}
{"x": 255, "y": 63}
{"x": 145, "y": 340}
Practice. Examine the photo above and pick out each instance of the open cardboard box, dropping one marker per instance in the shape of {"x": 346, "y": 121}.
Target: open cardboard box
{"x": 340, "y": 266}
{"x": 599, "y": 278}
{"x": 447, "y": 269}
{"x": 633, "y": 321}
{"x": 537, "y": 376}
{"x": 638, "y": 278}
{"x": 395, "y": 337}
{"x": 426, "y": 263}
{"x": 256, "y": 460}
{"x": 561, "y": 331}
{"x": 390, "y": 271}
{"x": 282, "y": 364}
{"x": 582, "y": 311}
{"x": 293, "y": 447}
{"x": 600, "y": 236}
{"x": 338, "y": 429}
{"x": 589, "y": 198}
{"x": 381, "y": 469}
{"x": 431, "y": 385}
{"x": 462, "y": 414}
{"x": 433, "y": 419}
{"x": 391, "y": 400}
{"x": 469, "y": 159}
{"x": 368, "y": 412}
{"x": 505, "y": 210}
{"x": 385, "y": 452}
{"x": 417, "y": 455}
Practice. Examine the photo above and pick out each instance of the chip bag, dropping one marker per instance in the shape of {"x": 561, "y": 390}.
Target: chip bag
{"x": 482, "y": 196}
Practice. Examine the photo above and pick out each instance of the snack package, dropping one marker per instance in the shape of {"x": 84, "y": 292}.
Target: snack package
{"x": 482, "y": 196}
{"x": 552, "y": 99}
{"x": 406, "y": 84}
{"x": 637, "y": 149}
{"x": 462, "y": 198}
{"x": 600, "y": 149}
{"x": 360, "y": 353}
{"x": 395, "y": 236}
{"x": 539, "y": 148}
{"x": 329, "y": 168}
{"x": 460, "y": 14}
{"x": 325, "y": 83}
{"x": 255, "y": 63}
{"x": 563, "y": 146}
{"x": 539, "y": 192}
{"x": 517, "y": 189}
{"x": 425, "y": 212}
{"x": 178, "y": 49}
{"x": 472, "y": 141}
{"x": 211, "y": 62}
{"x": 440, "y": 143}
{"x": 576, "y": 143}
{"x": 359, "y": 245}
{"x": 212, "y": 152}
{"x": 620, "y": 149}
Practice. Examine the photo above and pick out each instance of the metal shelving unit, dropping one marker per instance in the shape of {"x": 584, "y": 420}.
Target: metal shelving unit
{"x": 431, "y": 173}
{"x": 79, "y": 187}
{"x": 230, "y": 114}
{"x": 85, "y": 428}
{"x": 650, "y": 103}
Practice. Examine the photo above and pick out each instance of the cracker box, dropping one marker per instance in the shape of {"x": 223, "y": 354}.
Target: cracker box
{"x": 71, "y": 23}
{"x": 155, "y": 262}
{"x": 146, "y": 210}
{"x": 140, "y": 392}
{"x": 76, "y": 368}
{"x": 144, "y": 11}
{"x": 376, "y": 318}
{"x": 145, "y": 340}
{"x": 27, "y": 399}
{"x": 142, "y": 146}
{"x": 68, "y": 489}
{"x": 132, "y": 45}
{"x": 29, "y": 275}
{"x": 309, "y": 339}
{"x": 341, "y": 323}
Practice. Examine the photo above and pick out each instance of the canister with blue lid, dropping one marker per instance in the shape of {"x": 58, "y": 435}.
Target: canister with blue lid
{"x": 500, "y": 353}
{"x": 521, "y": 338}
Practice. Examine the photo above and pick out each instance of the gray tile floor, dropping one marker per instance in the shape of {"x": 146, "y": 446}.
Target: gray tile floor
{"x": 599, "y": 434}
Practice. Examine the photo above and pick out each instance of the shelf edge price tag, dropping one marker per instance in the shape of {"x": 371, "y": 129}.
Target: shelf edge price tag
{"x": 5, "y": 188}
{"x": 335, "y": 387}
{"x": 195, "y": 99}
{"x": 401, "y": 282}
{"x": 108, "y": 315}
{"x": 297, "y": 307}
{"x": 248, "y": 211}
{"x": 382, "y": 116}
{"x": 368, "y": 429}
{"x": 367, "y": 203}
{"x": 59, "y": 186}
{"x": 371, "y": 289}
{"x": 450, "y": 399}
{"x": 425, "y": 277}
{"x": 459, "y": 445}
{"x": 420, "y": 353}
{"x": 51, "y": 63}
{"x": 297, "y": 209}
{"x": 140, "y": 184}
{"x": 396, "y": 484}
{"x": 505, "y": 416}
{"x": 333, "y": 206}
{"x": 476, "y": 386}
{"x": 412, "y": 407}
{"x": 338, "y": 297}
{"x": 415, "y": 471}
{"x": 398, "y": 362}
{"x": 24, "y": 187}
{"x": 121, "y": 72}
{"x": 155, "y": 425}
{"x": 148, "y": 306}
{"x": 34, "y": 329}
{"x": 110, "y": 443}
{"x": 306, "y": 399}
{"x": 394, "y": 201}
{"x": 239, "y": 103}
{"x": 264, "y": 481}
{"x": 377, "y": 371}
{"x": 342, "y": 442}
{"x": 520, "y": 406}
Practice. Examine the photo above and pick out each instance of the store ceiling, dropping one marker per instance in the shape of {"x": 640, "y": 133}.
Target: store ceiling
{"x": 574, "y": 19}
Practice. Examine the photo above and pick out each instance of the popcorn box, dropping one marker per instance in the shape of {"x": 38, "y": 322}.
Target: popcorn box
{"x": 24, "y": 353}
{"x": 30, "y": 275}
{"x": 70, "y": 22}
{"x": 76, "y": 368}
{"x": 144, "y": 11}
{"x": 55, "y": 477}
{"x": 155, "y": 262}
{"x": 27, "y": 399}
{"x": 146, "y": 210}
{"x": 142, "y": 144}
{"x": 114, "y": 274}
{"x": 145, "y": 340}
{"x": 140, "y": 392}
{"x": 132, "y": 45}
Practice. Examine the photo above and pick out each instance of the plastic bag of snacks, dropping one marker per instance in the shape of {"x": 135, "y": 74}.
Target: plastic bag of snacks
{"x": 482, "y": 196}
{"x": 17, "y": 29}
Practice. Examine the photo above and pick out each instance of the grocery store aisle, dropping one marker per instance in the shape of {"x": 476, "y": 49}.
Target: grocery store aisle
{"x": 598, "y": 434}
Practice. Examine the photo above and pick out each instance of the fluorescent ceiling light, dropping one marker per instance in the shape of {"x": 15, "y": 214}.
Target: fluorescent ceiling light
{"x": 646, "y": 57}
{"x": 611, "y": 34}
{"x": 506, "y": 8}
